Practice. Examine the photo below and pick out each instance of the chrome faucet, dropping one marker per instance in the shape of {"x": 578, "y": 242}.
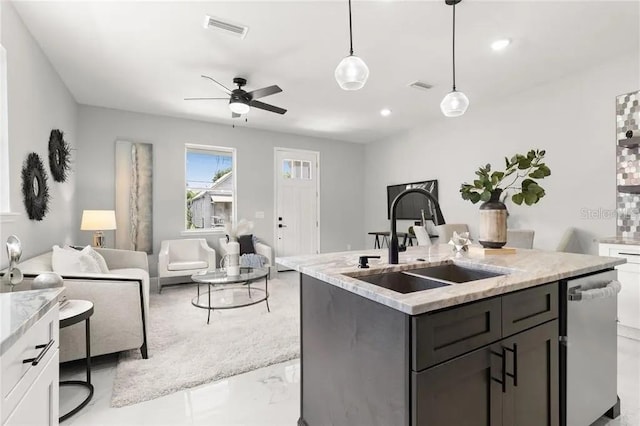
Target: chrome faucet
{"x": 394, "y": 247}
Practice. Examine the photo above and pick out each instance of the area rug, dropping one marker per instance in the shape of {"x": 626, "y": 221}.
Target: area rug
{"x": 185, "y": 352}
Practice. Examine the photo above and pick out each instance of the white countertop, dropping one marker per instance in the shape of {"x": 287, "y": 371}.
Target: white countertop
{"x": 525, "y": 268}
{"x": 22, "y": 309}
{"x": 621, "y": 240}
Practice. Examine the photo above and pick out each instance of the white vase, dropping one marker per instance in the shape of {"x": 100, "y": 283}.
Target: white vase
{"x": 233, "y": 258}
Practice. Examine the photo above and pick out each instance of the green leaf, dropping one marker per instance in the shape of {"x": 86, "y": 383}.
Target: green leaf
{"x": 477, "y": 184}
{"x": 542, "y": 153}
{"x": 524, "y": 163}
{"x": 517, "y": 198}
{"x": 474, "y": 197}
{"x": 545, "y": 170}
{"x": 535, "y": 188}
{"x": 525, "y": 184}
{"x": 530, "y": 198}
{"x": 486, "y": 195}
{"x": 537, "y": 174}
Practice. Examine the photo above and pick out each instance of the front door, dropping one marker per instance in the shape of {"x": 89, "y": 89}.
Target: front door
{"x": 297, "y": 202}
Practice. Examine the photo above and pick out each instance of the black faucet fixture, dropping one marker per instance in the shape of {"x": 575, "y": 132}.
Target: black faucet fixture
{"x": 394, "y": 247}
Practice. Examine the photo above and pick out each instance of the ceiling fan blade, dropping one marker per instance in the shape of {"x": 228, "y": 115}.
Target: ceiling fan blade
{"x": 235, "y": 115}
{"x": 206, "y": 99}
{"x": 265, "y": 91}
{"x": 267, "y": 107}
{"x": 220, "y": 85}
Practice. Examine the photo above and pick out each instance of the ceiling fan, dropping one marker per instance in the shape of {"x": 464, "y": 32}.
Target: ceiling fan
{"x": 241, "y": 101}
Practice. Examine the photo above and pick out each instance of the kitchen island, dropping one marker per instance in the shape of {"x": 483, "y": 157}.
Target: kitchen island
{"x": 482, "y": 352}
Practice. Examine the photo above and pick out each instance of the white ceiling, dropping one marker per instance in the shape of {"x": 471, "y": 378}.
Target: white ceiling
{"x": 148, "y": 56}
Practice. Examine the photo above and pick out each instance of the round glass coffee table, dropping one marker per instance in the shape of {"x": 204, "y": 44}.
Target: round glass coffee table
{"x": 235, "y": 291}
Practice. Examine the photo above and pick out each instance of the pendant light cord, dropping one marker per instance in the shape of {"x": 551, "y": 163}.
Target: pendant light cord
{"x": 350, "y": 31}
{"x": 454, "y": 47}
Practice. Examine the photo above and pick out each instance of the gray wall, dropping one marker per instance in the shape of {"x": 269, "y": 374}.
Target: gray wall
{"x": 340, "y": 185}
{"x": 573, "y": 118}
{"x": 38, "y": 102}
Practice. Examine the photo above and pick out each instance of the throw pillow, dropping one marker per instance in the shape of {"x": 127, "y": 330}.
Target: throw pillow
{"x": 64, "y": 261}
{"x": 246, "y": 244}
{"x": 102, "y": 264}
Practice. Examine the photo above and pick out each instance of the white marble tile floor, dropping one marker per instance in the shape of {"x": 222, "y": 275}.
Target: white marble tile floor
{"x": 266, "y": 397}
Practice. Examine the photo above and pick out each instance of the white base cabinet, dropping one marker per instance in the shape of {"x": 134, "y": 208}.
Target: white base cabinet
{"x": 629, "y": 297}
{"x": 30, "y": 375}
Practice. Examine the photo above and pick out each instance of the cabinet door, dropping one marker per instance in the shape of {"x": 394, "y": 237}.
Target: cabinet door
{"x": 629, "y": 297}
{"x": 39, "y": 406}
{"x": 532, "y": 397}
{"x": 459, "y": 392}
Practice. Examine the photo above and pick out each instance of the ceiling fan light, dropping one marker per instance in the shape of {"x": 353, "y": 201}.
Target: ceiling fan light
{"x": 454, "y": 104}
{"x": 238, "y": 107}
{"x": 352, "y": 73}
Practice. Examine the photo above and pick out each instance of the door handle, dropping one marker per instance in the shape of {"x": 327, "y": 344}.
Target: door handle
{"x": 281, "y": 225}
{"x": 514, "y": 376}
{"x": 45, "y": 348}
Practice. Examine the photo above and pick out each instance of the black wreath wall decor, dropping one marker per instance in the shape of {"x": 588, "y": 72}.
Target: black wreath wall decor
{"x": 59, "y": 156}
{"x": 35, "y": 190}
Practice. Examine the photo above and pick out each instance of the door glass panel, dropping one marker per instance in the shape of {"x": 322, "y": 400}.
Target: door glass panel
{"x": 306, "y": 170}
{"x": 286, "y": 169}
{"x": 297, "y": 169}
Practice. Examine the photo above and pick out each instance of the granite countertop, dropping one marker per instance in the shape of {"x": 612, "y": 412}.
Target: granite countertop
{"x": 525, "y": 268}
{"x": 21, "y": 310}
{"x": 621, "y": 240}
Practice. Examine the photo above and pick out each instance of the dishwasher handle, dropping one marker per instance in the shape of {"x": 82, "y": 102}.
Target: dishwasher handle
{"x": 579, "y": 293}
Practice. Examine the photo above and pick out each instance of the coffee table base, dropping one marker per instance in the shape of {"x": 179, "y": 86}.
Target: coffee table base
{"x": 249, "y": 298}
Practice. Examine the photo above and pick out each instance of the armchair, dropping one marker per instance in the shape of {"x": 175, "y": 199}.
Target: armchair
{"x": 179, "y": 258}
{"x": 259, "y": 247}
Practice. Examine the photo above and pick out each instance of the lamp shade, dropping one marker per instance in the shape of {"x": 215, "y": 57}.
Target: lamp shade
{"x": 98, "y": 220}
{"x": 352, "y": 73}
{"x": 454, "y": 104}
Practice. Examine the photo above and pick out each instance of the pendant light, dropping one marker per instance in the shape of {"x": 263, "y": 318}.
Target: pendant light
{"x": 455, "y": 103}
{"x": 351, "y": 73}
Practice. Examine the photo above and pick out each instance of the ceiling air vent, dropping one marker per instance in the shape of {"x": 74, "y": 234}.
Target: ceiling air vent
{"x": 420, "y": 85}
{"x": 225, "y": 26}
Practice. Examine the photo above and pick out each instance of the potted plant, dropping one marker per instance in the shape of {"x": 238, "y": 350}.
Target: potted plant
{"x": 520, "y": 178}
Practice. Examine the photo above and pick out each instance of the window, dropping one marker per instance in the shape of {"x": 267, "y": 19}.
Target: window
{"x": 296, "y": 169}
{"x": 210, "y": 196}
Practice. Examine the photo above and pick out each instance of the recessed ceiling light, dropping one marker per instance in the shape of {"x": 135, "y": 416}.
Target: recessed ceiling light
{"x": 385, "y": 112}
{"x": 500, "y": 44}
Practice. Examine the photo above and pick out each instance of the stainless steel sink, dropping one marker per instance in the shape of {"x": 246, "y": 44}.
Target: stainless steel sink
{"x": 421, "y": 279}
{"x": 454, "y": 273}
{"x": 402, "y": 282}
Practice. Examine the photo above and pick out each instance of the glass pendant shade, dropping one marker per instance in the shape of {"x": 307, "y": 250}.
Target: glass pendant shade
{"x": 352, "y": 73}
{"x": 454, "y": 104}
{"x": 238, "y": 107}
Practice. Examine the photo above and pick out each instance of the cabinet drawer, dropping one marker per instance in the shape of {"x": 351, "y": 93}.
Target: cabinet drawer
{"x": 17, "y": 376}
{"x": 528, "y": 308}
{"x": 631, "y": 253}
{"x": 440, "y": 336}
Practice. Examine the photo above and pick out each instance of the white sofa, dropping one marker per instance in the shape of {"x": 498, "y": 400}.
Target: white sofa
{"x": 120, "y": 302}
{"x": 261, "y": 248}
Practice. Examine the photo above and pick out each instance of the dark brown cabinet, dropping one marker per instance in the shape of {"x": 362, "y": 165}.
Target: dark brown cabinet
{"x": 469, "y": 390}
{"x": 460, "y": 392}
{"x": 531, "y": 397}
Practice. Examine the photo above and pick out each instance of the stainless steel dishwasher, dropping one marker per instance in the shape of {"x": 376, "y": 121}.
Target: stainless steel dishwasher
{"x": 588, "y": 349}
